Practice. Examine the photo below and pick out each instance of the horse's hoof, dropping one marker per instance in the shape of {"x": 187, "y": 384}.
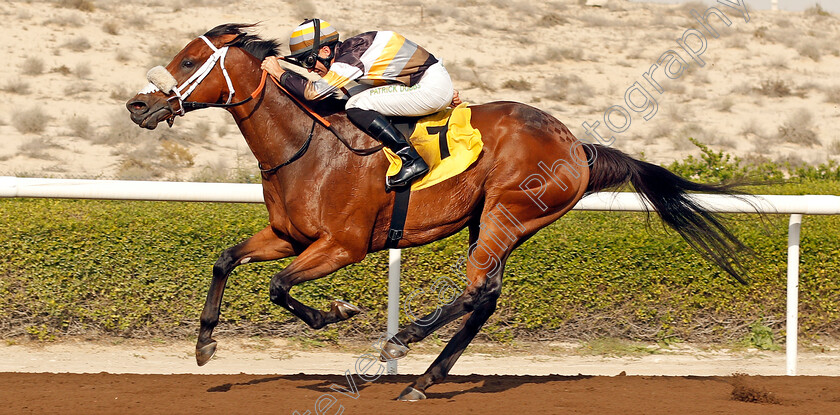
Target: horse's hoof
{"x": 410, "y": 394}
{"x": 344, "y": 310}
{"x": 392, "y": 351}
{"x": 204, "y": 353}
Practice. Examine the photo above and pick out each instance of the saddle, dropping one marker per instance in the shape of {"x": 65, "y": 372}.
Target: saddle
{"x": 446, "y": 140}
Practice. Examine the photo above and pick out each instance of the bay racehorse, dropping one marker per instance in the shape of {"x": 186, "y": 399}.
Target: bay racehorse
{"x": 327, "y": 205}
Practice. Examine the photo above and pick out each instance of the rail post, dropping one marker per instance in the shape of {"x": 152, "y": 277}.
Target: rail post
{"x": 792, "y": 325}
{"x": 394, "y": 257}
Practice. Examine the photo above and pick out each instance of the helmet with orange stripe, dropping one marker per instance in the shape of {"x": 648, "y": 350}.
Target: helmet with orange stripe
{"x": 308, "y": 38}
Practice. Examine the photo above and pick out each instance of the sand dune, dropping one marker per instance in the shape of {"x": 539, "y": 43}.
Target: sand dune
{"x": 768, "y": 88}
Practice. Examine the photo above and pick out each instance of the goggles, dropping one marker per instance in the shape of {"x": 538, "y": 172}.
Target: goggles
{"x": 310, "y": 60}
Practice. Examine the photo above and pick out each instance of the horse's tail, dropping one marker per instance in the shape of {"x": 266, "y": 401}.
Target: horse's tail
{"x": 667, "y": 192}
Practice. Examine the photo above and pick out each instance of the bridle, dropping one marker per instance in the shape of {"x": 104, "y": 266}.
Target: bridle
{"x": 180, "y": 93}
{"x": 177, "y": 100}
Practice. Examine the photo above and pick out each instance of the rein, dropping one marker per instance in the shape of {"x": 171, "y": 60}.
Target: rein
{"x": 361, "y": 152}
{"x": 219, "y": 55}
{"x": 201, "y": 105}
{"x": 314, "y": 115}
{"x": 294, "y": 157}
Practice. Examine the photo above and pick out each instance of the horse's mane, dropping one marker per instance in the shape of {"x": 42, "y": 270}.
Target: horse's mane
{"x": 262, "y": 48}
{"x": 258, "y": 47}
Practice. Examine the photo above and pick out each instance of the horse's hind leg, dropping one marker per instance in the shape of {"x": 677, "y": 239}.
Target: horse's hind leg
{"x": 439, "y": 369}
{"x": 488, "y": 259}
{"x": 505, "y": 226}
{"x": 318, "y": 260}
{"x": 485, "y": 267}
{"x": 265, "y": 245}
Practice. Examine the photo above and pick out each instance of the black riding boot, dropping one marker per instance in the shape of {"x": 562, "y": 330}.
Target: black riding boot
{"x": 413, "y": 166}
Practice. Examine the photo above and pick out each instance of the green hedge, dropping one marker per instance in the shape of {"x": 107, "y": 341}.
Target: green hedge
{"x": 142, "y": 269}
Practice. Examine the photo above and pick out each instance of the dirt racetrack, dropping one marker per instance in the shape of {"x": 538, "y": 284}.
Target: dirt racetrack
{"x": 105, "y": 393}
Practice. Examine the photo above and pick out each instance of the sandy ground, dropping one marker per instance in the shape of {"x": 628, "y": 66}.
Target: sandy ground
{"x": 767, "y": 89}
{"x": 103, "y": 393}
{"x": 278, "y": 357}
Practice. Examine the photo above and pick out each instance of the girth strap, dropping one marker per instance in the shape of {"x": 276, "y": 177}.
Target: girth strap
{"x": 400, "y": 212}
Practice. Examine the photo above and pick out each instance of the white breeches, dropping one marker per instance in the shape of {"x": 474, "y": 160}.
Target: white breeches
{"x": 431, "y": 94}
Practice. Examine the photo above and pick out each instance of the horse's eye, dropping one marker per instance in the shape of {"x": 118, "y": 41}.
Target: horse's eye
{"x": 187, "y": 63}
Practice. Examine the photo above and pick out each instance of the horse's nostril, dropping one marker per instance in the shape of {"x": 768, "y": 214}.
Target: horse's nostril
{"x": 137, "y": 107}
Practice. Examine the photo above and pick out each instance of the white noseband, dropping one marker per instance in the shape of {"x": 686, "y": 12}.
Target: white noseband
{"x": 162, "y": 80}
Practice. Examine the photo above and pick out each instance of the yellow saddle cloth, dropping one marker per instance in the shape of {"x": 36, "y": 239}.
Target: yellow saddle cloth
{"x": 447, "y": 142}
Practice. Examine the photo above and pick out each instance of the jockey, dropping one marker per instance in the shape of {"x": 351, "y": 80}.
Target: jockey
{"x": 396, "y": 78}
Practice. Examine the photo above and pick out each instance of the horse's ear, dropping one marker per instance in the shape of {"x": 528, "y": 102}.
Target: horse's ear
{"x": 227, "y": 39}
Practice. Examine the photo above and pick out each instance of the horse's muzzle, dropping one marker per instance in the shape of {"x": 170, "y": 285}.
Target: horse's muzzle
{"x": 147, "y": 111}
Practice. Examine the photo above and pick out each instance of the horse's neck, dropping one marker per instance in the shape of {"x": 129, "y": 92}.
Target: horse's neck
{"x": 272, "y": 125}
{"x": 276, "y": 128}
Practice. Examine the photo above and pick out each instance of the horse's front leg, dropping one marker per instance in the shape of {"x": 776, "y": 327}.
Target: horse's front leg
{"x": 320, "y": 259}
{"x": 265, "y": 245}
